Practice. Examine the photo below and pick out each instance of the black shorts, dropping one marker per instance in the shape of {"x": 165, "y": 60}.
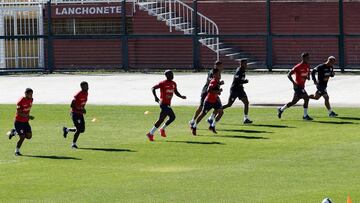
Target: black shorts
{"x": 79, "y": 121}
{"x": 203, "y": 96}
{"x": 208, "y": 106}
{"x": 237, "y": 94}
{"x": 300, "y": 92}
{"x": 321, "y": 90}
{"x": 22, "y": 128}
{"x": 166, "y": 109}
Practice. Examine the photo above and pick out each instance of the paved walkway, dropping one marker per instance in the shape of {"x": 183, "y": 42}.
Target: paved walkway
{"x": 134, "y": 89}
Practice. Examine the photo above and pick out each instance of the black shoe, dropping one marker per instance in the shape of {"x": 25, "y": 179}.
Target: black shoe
{"x": 210, "y": 121}
{"x": 74, "y": 146}
{"x": 193, "y": 131}
{"x": 12, "y": 133}
{"x": 279, "y": 113}
{"x": 333, "y": 114}
{"x": 18, "y": 154}
{"x": 307, "y": 118}
{"x": 247, "y": 121}
{"x": 213, "y": 129}
{"x": 65, "y": 132}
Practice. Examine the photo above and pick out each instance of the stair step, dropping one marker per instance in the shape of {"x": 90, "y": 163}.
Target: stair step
{"x": 233, "y": 54}
{"x": 146, "y": 3}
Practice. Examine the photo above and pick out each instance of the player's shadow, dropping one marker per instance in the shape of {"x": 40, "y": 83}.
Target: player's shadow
{"x": 245, "y": 131}
{"x": 261, "y": 125}
{"x": 335, "y": 122}
{"x": 198, "y": 142}
{"x": 349, "y": 118}
{"x": 243, "y": 137}
{"x": 52, "y": 157}
{"x": 107, "y": 149}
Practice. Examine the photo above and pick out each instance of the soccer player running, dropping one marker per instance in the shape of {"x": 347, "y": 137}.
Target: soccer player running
{"x": 77, "y": 113}
{"x": 218, "y": 65}
{"x": 212, "y": 101}
{"x": 237, "y": 90}
{"x": 167, "y": 89}
{"x": 22, "y": 126}
{"x": 324, "y": 72}
{"x": 302, "y": 73}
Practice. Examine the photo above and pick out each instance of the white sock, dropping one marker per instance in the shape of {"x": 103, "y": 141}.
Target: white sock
{"x": 192, "y": 120}
{"x": 17, "y": 149}
{"x": 67, "y": 130}
{"x": 330, "y": 111}
{"x": 213, "y": 123}
{"x": 74, "y": 143}
{"x": 153, "y": 130}
{"x": 246, "y": 117}
{"x": 164, "y": 127}
{"x": 195, "y": 124}
{"x": 283, "y": 108}
{"x": 212, "y": 117}
{"x": 305, "y": 111}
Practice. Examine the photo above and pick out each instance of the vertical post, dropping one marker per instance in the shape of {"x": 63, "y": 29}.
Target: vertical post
{"x": 341, "y": 37}
{"x": 2, "y": 41}
{"x": 195, "y": 38}
{"x": 40, "y": 25}
{"x": 269, "y": 61}
{"x": 124, "y": 38}
{"x": 50, "y": 48}
{"x": 170, "y": 15}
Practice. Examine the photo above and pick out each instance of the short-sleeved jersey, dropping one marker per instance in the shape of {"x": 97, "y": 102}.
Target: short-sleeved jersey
{"x": 213, "y": 97}
{"x": 324, "y": 73}
{"x": 167, "y": 89}
{"x": 79, "y": 101}
{"x": 301, "y": 71}
{"x": 208, "y": 79}
{"x": 239, "y": 79}
{"x": 24, "y": 105}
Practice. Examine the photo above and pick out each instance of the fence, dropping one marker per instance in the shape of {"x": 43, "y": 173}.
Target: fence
{"x": 26, "y": 45}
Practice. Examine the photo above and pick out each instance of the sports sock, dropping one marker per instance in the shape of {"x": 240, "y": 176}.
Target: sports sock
{"x": 330, "y": 111}
{"x": 195, "y": 124}
{"x": 305, "y": 111}
{"x": 152, "y": 131}
{"x": 246, "y": 117}
{"x": 17, "y": 150}
{"x": 283, "y": 108}
{"x": 192, "y": 120}
{"x": 213, "y": 123}
{"x": 212, "y": 117}
{"x": 74, "y": 143}
{"x": 164, "y": 127}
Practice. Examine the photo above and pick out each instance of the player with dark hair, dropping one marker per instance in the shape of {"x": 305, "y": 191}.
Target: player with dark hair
{"x": 167, "y": 89}
{"x": 22, "y": 126}
{"x": 77, "y": 113}
{"x": 218, "y": 65}
{"x": 324, "y": 72}
{"x": 302, "y": 73}
{"x": 212, "y": 101}
{"x": 237, "y": 90}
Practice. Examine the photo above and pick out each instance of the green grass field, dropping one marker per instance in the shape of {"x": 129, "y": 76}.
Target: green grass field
{"x": 273, "y": 160}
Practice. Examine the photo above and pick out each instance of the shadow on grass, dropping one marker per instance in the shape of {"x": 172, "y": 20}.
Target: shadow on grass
{"x": 335, "y": 122}
{"x": 244, "y": 131}
{"x": 261, "y": 125}
{"x": 52, "y": 157}
{"x": 198, "y": 142}
{"x": 243, "y": 137}
{"x": 107, "y": 149}
{"x": 349, "y": 118}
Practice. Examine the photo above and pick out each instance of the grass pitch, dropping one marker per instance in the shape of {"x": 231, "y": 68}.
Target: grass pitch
{"x": 273, "y": 160}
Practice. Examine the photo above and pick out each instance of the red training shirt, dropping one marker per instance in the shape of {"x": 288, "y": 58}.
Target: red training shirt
{"x": 80, "y": 100}
{"x": 301, "y": 71}
{"x": 167, "y": 89}
{"x": 213, "y": 97}
{"x": 24, "y": 105}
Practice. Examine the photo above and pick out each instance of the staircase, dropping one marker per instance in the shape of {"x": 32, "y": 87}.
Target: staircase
{"x": 178, "y": 17}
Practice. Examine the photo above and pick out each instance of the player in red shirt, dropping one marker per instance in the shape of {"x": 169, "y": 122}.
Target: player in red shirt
{"x": 167, "y": 90}
{"x": 212, "y": 101}
{"x": 77, "y": 113}
{"x": 302, "y": 73}
{"x": 22, "y": 126}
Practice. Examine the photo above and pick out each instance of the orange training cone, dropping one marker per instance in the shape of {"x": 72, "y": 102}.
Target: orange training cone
{"x": 349, "y": 199}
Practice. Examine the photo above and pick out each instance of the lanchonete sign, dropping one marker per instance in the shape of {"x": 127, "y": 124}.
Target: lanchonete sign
{"x": 90, "y": 10}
